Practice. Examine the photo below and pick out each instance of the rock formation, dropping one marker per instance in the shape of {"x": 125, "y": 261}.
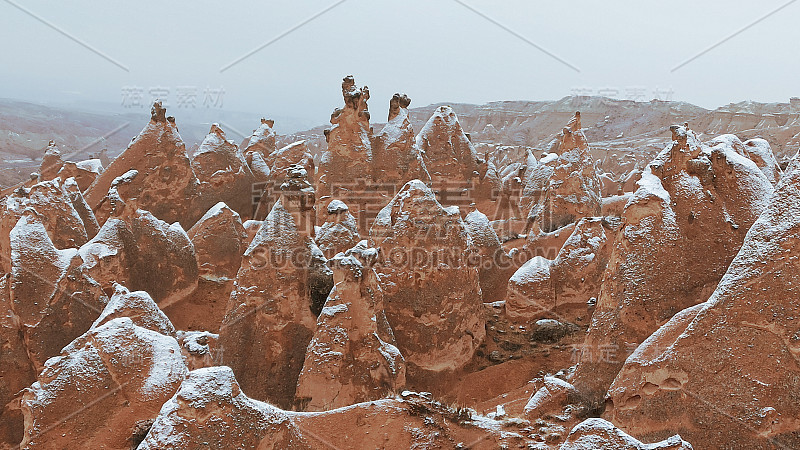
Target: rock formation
{"x": 166, "y": 185}
{"x": 282, "y": 277}
{"x": 199, "y": 348}
{"x": 51, "y": 162}
{"x": 280, "y": 166}
{"x": 115, "y": 377}
{"x": 598, "y": 434}
{"x": 52, "y": 204}
{"x": 52, "y": 297}
{"x": 219, "y": 240}
{"x": 492, "y": 282}
{"x": 339, "y": 232}
{"x": 84, "y": 172}
{"x": 432, "y": 292}
{"x": 352, "y": 357}
{"x": 280, "y": 160}
{"x": 223, "y": 172}
{"x": 137, "y": 306}
{"x": 16, "y": 370}
{"x": 573, "y": 189}
{"x": 495, "y": 267}
{"x": 448, "y": 153}
{"x": 560, "y": 288}
{"x": 721, "y": 371}
{"x": 349, "y": 153}
{"x": 262, "y": 140}
{"x": 73, "y": 191}
{"x": 679, "y": 233}
{"x": 760, "y": 152}
{"x": 210, "y": 410}
{"x": 258, "y": 166}
{"x": 142, "y": 252}
{"x": 535, "y": 180}
{"x": 395, "y": 156}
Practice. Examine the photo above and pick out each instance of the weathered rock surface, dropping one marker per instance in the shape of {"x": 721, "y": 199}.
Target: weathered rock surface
{"x": 535, "y": 180}
{"x": 760, "y": 152}
{"x": 199, "y": 348}
{"x": 283, "y": 273}
{"x": 223, "y": 172}
{"x": 548, "y": 400}
{"x": 73, "y": 192}
{"x": 679, "y": 234}
{"x": 432, "y": 293}
{"x": 725, "y": 371}
{"x": 84, "y": 172}
{"x": 137, "y": 306}
{"x": 142, "y": 252}
{"x": 495, "y": 266}
{"x": 114, "y": 377}
{"x": 339, "y": 232}
{"x": 51, "y": 162}
{"x": 599, "y": 434}
{"x": 349, "y": 153}
{"x": 166, "y": 184}
{"x": 53, "y": 206}
{"x": 395, "y": 156}
{"x": 53, "y": 298}
{"x": 573, "y": 189}
{"x": 251, "y": 227}
{"x": 210, "y": 410}
{"x": 352, "y": 357}
{"x": 560, "y": 288}
{"x": 448, "y": 153}
{"x": 218, "y": 239}
{"x": 263, "y": 139}
{"x": 280, "y": 160}
{"x": 16, "y": 370}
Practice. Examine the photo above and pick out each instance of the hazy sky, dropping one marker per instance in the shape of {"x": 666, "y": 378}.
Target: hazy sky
{"x": 435, "y": 51}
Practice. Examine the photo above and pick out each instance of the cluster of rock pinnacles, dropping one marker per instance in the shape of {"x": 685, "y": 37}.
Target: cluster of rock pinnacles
{"x": 155, "y": 303}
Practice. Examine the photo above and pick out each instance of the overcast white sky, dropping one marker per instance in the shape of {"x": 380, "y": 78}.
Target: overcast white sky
{"x": 435, "y": 51}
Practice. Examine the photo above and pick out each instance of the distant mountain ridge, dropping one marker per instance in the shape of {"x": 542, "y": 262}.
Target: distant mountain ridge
{"x": 610, "y": 125}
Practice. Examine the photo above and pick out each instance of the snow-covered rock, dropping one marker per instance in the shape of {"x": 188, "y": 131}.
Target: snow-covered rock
{"x": 353, "y": 356}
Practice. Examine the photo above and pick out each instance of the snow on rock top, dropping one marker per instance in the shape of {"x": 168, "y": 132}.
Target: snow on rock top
{"x": 139, "y": 307}
{"x": 128, "y": 372}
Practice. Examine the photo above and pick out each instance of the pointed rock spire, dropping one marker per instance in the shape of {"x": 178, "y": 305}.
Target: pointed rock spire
{"x": 166, "y": 185}
{"x": 348, "y": 158}
{"x": 353, "y": 357}
{"x": 433, "y": 297}
{"x": 51, "y": 162}
{"x": 448, "y": 153}
{"x": 283, "y": 274}
{"x": 395, "y": 156}
{"x": 262, "y": 141}
{"x": 223, "y": 172}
